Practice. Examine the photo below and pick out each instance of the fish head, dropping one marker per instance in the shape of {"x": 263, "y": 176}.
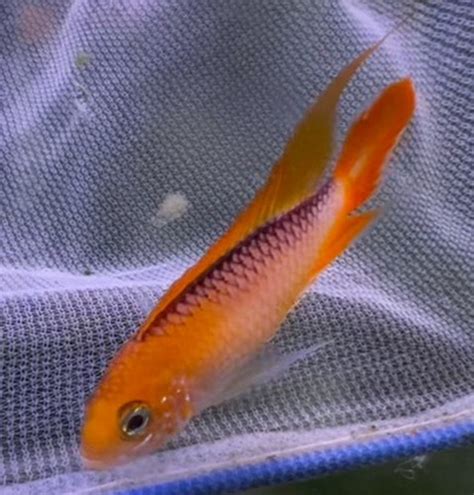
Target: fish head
{"x": 137, "y": 407}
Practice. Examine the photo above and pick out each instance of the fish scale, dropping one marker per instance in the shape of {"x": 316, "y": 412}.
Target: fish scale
{"x": 258, "y": 301}
{"x": 249, "y": 259}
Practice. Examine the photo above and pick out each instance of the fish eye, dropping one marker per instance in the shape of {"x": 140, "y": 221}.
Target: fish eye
{"x": 135, "y": 419}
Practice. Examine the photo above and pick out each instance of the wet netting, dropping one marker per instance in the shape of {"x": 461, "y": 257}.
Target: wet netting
{"x": 131, "y": 134}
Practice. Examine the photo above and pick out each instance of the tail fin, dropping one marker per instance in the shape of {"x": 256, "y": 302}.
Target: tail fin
{"x": 370, "y": 141}
{"x": 366, "y": 149}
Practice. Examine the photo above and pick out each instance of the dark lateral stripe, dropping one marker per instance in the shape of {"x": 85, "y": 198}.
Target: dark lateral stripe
{"x": 266, "y": 242}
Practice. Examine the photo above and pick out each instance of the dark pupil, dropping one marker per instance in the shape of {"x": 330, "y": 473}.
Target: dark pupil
{"x": 135, "y": 422}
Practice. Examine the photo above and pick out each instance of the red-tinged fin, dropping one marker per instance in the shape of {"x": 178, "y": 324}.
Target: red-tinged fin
{"x": 293, "y": 178}
{"x": 371, "y": 140}
{"x": 365, "y": 151}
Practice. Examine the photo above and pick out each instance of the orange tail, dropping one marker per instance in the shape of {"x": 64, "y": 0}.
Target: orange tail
{"x": 370, "y": 141}
{"x": 365, "y": 151}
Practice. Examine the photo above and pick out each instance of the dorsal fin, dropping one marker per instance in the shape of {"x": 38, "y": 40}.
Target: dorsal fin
{"x": 293, "y": 178}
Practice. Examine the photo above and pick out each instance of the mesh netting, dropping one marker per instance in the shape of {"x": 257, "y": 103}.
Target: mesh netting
{"x": 132, "y": 132}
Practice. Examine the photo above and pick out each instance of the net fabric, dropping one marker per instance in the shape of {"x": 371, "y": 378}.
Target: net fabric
{"x": 109, "y": 107}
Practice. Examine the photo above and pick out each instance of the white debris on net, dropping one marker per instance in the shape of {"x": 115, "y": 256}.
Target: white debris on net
{"x": 173, "y": 206}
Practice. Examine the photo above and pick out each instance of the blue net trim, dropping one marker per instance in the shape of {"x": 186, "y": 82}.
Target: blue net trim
{"x": 313, "y": 464}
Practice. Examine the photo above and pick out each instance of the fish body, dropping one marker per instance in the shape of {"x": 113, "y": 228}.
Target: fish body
{"x": 231, "y": 303}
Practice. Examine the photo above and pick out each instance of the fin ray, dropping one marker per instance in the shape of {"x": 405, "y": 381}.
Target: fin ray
{"x": 264, "y": 367}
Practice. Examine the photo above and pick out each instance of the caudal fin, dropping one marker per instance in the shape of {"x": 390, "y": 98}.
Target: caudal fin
{"x": 371, "y": 140}
{"x": 365, "y": 151}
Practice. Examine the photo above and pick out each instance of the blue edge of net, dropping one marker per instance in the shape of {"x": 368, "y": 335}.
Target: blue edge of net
{"x": 312, "y": 464}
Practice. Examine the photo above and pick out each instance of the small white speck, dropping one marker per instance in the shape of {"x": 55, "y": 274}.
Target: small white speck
{"x": 173, "y": 206}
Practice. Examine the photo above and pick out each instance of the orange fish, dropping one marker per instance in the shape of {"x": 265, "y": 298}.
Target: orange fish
{"x": 194, "y": 347}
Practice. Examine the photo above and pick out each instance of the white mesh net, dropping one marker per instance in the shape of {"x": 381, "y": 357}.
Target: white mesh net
{"x": 131, "y": 133}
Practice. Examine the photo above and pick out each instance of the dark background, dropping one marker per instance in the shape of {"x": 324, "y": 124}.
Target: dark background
{"x": 449, "y": 472}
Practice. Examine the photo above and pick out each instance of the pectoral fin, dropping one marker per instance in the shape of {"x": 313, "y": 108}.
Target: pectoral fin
{"x": 266, "y": 366}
